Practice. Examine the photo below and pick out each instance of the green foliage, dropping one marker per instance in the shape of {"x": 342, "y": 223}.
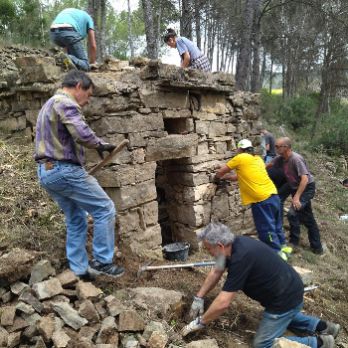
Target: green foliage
{"x": 298, "y": 112}
{"x": 22, "y": 21}
{"x": 298, "y": 115}
{"x": 117, "y": 32}
{"x": 7, "y": 14}
{"x": 332, "y": 134}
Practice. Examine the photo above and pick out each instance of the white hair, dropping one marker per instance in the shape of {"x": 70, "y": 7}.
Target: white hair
{"x": 216, "y": 233}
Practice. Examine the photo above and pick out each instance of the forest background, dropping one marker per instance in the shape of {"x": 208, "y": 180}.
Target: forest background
{"x": 296, "y": 48}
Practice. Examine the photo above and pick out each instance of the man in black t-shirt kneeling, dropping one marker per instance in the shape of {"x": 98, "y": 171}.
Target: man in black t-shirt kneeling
{"x": 257, "y": 270}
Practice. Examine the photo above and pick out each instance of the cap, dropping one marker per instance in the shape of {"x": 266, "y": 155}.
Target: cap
{"x": 244, "y": 144}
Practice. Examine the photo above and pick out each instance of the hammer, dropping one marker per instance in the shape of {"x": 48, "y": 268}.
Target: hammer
{"x": 109, "y": 157}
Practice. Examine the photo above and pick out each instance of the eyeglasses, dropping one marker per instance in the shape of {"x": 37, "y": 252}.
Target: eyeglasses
{"x": 278, "y": 146}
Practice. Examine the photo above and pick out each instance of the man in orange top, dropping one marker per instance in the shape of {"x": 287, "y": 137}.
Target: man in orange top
{"x": 257, "y": 189}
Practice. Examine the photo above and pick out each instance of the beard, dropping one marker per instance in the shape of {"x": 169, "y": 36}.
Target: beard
{"x": 220, "y": 262}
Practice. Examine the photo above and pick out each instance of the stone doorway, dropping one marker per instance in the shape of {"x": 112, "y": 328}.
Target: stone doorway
{"x": 165, "y": 199}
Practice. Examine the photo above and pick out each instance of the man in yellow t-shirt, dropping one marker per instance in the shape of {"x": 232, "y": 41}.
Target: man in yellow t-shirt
{"x": 257, "y": 189}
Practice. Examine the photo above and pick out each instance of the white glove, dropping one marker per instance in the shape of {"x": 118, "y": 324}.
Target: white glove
{"x": 197, "y": 307}
{"x": 195, "y": 325}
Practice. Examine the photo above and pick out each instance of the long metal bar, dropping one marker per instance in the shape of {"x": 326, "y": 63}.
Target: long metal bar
{"x": 180, "y": 265}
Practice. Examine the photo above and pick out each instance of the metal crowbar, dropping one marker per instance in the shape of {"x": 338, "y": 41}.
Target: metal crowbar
{"x": 180, "y": 265}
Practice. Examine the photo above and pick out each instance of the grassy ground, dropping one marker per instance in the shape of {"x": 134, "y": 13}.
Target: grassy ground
{"x": 31, "y": 220}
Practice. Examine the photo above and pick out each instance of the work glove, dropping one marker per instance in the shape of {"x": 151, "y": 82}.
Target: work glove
{"x": 93, "y": 66}
{"x": 195, "y": 325}
{"x": 105, "y": 147}
{"x": 220, "y": 183}
{"x": 197, "y": 307}
{"x": 216, "y": 180}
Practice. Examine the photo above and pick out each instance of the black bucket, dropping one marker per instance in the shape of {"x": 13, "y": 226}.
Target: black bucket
{"x": 176, "y": 251}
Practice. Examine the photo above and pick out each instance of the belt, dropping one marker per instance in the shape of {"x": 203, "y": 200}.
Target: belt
{"x": 62, "y": 29}
{"x": 54, "y": 161}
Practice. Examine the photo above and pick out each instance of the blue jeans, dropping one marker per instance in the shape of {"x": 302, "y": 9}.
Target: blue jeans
{"x": 268, "y": 159}
{"x": 76, "y": 193}
{"x": 268, "y": 222}
{"x": 72, "y": 40}
{"x": 273, "y": 326}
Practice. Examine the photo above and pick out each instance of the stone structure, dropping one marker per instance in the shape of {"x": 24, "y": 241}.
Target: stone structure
{"x": 180, "y": 125}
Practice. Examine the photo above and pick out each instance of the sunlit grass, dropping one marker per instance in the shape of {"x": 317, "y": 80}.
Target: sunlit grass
{"x": 277, "y": 91}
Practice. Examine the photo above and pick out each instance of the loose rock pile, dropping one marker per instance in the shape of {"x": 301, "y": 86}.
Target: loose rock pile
{"x": 40, "y": 308}
{"x": 59, "y": 310}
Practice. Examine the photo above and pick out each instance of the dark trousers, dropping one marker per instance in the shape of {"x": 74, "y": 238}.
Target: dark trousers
{"x": 306, "y": 217}
{"x": 284, "y": 190}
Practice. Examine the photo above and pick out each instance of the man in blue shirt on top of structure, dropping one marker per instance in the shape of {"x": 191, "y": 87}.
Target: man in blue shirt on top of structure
{"x": 68, "y": 30}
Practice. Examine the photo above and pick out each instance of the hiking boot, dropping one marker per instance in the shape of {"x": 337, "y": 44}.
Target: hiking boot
{"x": 109, "y": 269}
{"x": 283, "y": 255}
{"x": 327, "y": 341}
{"x": 64, "y": 60}
{"x": 331, "y": 329}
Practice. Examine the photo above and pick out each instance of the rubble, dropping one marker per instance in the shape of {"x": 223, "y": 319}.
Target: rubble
{"x": 90, "y": 320}
{"x": 285, "y": 343}
{"x": 18, "y": 259}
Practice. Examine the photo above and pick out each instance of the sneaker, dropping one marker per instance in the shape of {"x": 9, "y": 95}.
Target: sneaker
{"x": 331, "y": 329}
{"x": 319, "y": 251}
{"x": 328, "y": 341}
{"x": 96, "y": 268}
{"x": 283, "y": 255}
{"x": 287, "y": 249}
{"x": 86, "y": 277}
{"x": 294, "y": 247}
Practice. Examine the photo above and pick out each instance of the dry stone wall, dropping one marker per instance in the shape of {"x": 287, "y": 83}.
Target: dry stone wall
{"x": 181, "y": 124}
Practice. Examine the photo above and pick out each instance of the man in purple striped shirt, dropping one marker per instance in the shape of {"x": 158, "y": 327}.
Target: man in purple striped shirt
{"x": 61, "y": 135}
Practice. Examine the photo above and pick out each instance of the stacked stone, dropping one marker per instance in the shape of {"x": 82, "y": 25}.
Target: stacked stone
{"x": 59, "y": 310}
{"x": 27, "y": 78}
{"x": 180, "y": 124}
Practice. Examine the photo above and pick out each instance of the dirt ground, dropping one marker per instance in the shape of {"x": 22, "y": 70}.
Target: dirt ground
{"x": 29, "y": 219}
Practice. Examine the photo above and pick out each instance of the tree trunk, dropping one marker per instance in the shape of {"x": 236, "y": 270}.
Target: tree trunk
{"x": 263, "y": 68}
{"x": 186, "y": 19}
{"x": 256, "y": 36}
{"x": 159, "y": 18}
{"x": 102, "y": 19}
{"x": 271, "y": 76}
{"x": 218, "y": 50}
{"x": 243, "y": 60}
{"x": 198, "y": 23}
{"x": 323, "y": 103}
{"x": 97, "y": 10}
{"x": 130, "y": 38}
{"x": 151, "y": 42}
